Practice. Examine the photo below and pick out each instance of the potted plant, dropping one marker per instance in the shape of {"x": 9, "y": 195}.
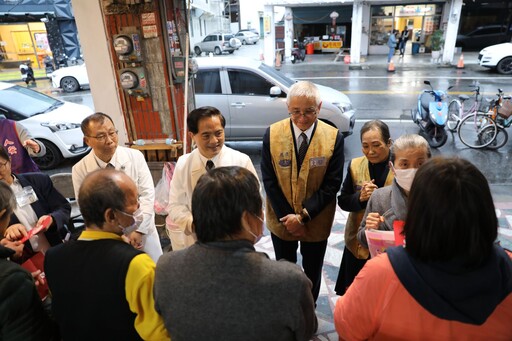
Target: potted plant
{"x": 436, "y": 43}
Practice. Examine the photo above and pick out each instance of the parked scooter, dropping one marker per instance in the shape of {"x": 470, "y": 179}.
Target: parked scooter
{"x": 299, "y": 52}
{"x": 431, "y": 115}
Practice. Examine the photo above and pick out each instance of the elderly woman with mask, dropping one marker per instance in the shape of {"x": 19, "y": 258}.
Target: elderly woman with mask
{"x": 450, "y": 282}
{"x": 388, "y": 204}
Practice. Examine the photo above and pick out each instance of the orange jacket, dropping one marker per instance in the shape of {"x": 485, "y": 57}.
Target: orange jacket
{"x": 378, "y": 307}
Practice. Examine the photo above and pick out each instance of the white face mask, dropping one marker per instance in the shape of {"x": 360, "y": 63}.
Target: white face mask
{"x": 138, "y": 217}
{"x": 257, "y": 238}
{"x": 405, "y": 177}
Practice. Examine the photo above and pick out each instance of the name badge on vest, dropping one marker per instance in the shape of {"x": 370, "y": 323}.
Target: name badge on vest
{"x": 26, "y": 196}
{"x": 317, "y": 162}
{"x": 285, "y": 160}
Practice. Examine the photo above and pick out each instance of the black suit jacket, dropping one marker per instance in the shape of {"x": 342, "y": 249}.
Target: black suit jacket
{"x": 323, "y": 196}
{"x": 50, "y": 202}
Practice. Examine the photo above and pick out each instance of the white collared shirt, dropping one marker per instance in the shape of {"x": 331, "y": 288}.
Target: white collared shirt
{"x": 297, "y": 132}
{"x": 102, "y": 164}
{"x": 28, "y": 218}
{"x": 213, "y": 159}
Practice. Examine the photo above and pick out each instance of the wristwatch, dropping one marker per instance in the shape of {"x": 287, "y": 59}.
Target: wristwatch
{"x": 304, "y": 216}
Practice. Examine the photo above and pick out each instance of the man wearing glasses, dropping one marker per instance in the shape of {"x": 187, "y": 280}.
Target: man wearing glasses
{"x": 101, "y": 135}
{"x": 302, "y": 170}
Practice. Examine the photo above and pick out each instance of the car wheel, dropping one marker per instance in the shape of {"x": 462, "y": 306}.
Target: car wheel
{"x": 69, "y": 84}
{"x": 51, "y": 159}
{"x": 217, "y": 51}
{"x": 244, "y": 42}
{"x": 505, "y": 66}
{"x": 231, "y": 52}
{"x": 197, "y": 50}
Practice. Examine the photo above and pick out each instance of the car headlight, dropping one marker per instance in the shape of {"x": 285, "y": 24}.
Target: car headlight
{"x": 60, "y": 126}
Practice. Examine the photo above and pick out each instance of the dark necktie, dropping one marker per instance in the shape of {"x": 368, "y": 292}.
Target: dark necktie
{"x": 209, "y": 165}
{"x": 303, "y": 148}
{"x": 110, "y": 166}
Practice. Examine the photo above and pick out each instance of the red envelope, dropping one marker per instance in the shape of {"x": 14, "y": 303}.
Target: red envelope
{"x": 43, "y": 225}
{"x": 398, "y": 228}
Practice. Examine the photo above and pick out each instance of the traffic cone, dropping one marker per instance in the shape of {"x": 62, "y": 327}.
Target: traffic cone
{"x": 346, "y": 59}
{"x": 391, "y": 66}
{"x": 278, "y": 59}
{"x": 460, "y": 64}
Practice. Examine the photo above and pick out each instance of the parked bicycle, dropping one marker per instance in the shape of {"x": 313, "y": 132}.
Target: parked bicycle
{"x": 456, "y": 111}
{"x": 502, "y": 114}
{"x": 481, "y": 129}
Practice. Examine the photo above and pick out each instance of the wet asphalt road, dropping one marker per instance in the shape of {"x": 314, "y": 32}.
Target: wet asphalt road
{"x": 376, "y": 93}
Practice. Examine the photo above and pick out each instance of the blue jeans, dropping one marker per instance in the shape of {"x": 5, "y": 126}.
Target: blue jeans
{"x": 391, "y": 53}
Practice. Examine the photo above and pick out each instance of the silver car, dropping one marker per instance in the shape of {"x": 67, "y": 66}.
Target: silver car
{"x": 218, "y": 43}
{"x": 251, "y": 96}
{"x": 247, "y": 37}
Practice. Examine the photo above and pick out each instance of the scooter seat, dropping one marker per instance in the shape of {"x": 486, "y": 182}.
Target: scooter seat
{"x": 425, "y": 100}
{"x": 463, "y": 97}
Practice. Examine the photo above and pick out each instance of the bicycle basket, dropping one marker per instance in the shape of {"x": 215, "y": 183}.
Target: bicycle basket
{"x": 506, "y": 109}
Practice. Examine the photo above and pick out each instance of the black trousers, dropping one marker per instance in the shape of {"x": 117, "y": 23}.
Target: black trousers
{"x": 349, "y": 268}
{"x": 312, "y": 258}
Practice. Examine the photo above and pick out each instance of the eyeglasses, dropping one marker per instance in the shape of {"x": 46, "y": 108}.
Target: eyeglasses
{"x": 306, "y": 113}
{"x": 103, "y": 137}
{"x": 3, "y": 165}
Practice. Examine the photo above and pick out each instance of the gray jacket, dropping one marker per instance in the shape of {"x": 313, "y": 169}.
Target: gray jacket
{"x": 228, "y": 291}
{"x": 390, "y": 202}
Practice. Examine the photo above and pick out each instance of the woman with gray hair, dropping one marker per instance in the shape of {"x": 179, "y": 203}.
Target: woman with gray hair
{"x": 388, "y": 204}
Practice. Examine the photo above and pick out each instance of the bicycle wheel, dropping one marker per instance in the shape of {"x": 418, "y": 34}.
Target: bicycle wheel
{"x": 473, "y": 133}
{"x": 500, "y": 140}
{"x": 453, "y": 115}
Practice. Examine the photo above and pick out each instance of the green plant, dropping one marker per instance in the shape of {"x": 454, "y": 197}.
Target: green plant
{"x": 436, "y": 40}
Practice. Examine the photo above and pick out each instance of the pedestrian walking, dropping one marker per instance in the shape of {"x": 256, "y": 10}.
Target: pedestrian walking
{"x": 392, "y": 44}
{"x": 27, "y": 73}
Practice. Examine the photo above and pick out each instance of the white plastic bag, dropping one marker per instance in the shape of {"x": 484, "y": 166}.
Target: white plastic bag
{"x": 162, "y": 188}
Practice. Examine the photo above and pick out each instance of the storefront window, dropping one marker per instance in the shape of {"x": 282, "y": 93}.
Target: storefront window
{"x": 420, "y": 19}
{"x": 381, "y": 28}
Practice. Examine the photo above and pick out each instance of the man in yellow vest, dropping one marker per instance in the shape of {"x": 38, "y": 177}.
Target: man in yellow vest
{"x": 302, "y": 169}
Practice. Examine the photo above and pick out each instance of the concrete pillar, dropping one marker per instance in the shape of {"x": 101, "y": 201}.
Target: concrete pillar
{"x": 289, "y": 34}
{"x": 453, "y": 10}
{"x": 100, "y": 70}
{"x": 269, "y": 32}
{"x": 357, "y": 29}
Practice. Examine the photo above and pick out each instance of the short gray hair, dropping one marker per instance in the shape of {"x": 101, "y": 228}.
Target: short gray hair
{"x": 409, "y": 141}
{"x": 304, "y": 89}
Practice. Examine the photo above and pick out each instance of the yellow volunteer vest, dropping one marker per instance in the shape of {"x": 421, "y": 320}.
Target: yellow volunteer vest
{"x": 298, "y": 186}
{"x": 360, "y": 173}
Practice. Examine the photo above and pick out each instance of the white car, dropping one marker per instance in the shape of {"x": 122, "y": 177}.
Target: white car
{"x": 251, "y": 95}
{"x": 497, "y": 57}
{"x": 53, "y": 122}
{"x": 247, "y": 37}
{"x": 71, "y": 78}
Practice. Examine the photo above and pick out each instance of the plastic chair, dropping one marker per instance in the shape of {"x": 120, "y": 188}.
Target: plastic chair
{"x": 64, "y": 184}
